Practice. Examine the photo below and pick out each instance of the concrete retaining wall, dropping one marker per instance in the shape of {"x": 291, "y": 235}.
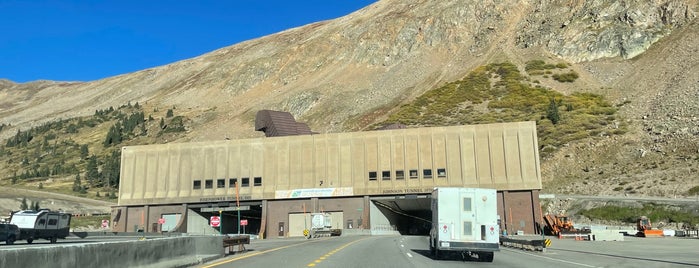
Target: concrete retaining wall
{"x": 158, "y": 252}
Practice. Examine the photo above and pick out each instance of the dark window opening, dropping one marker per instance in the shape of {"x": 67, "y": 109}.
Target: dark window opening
{"x": 413, "y": 173}
{"x": 400, "y": 175}
{"x": 245, "y": 182}
{"x": 441, "y": 172}
{"x": 221, "y": 183}
{"x": 257, "y": 181}
{"x": 372, "y": 175}
{"x": 53, "y": 221}
{"x": 427, "y": 173}
{"x": 209, "y": 184}
{"x": 197, "y": 185}
{"x": 386, "y": 175}
{"x": 232, "y": 182}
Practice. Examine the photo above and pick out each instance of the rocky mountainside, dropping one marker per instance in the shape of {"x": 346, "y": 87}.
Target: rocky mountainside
{"x": 347, "y": 73}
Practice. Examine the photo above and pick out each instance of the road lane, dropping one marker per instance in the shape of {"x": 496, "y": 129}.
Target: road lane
{"x": 413, "y": 251}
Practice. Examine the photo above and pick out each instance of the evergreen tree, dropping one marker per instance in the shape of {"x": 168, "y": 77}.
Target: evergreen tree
{"x": 552, "y": 112}
{"x": 92, "y": 175}
{"x": 23, "y": 205}
{"x": 169, "y": 113}
{"x": 84, "y": 151}
{"x": 35, "y": 206}
{"x": 76, "y": 183}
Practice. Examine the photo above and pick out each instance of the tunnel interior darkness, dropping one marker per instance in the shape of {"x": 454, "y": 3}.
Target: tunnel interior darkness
{"x": 409, "y": 215}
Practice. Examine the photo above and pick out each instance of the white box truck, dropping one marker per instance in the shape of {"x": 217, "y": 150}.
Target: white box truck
{"x": 465, "y": 220}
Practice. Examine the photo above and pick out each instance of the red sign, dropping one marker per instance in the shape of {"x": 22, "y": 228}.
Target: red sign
{"x": 105, "y": 223}
{"x": 215, "y": 221}
{"x": 243, "y": 222}
{"x": 161, "y": 221}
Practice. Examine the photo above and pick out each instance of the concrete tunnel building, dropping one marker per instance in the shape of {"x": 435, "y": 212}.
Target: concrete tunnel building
{"x": 370, "y": 182}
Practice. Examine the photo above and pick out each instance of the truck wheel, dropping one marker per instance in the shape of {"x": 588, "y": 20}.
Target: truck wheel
{"x": 10, "y": 240}
{"x": 485, "y": 256}
{"x": 30, "y": 240}
{"x": 53, "y": 240}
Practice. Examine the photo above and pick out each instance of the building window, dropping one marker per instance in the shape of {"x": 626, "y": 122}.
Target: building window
{"x": 386, "y": 175}
{"x": 209, "y": 184}
{"x": 413, "y": 173}
{"x": 400, "y": 175}
{"x": 441, "y": 172}
{"x": 232, "y": 182}
{"x": 372, "y": 175}
{"x": 221, "y": 183}
{"x": 197, "y": 185}
{"x": 245, "y": 182}
{"x": 257, "y": 181}
{"x": 427, "y": 173}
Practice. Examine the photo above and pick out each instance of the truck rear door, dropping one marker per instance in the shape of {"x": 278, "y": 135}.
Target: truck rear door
{"x": 467, "y": 230}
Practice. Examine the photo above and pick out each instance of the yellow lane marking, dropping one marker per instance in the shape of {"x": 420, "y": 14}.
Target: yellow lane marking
{"x": 334, "y": 251}
{"x": 254, "y": 254}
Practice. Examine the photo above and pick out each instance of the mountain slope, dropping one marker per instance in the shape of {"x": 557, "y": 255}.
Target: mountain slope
{"x": 348, "y": 73}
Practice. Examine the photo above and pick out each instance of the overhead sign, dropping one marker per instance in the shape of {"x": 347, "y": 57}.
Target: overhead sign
{"x": 243, "y": 222}
{"x": 215, "y": 221}
{"x": 225, "y": 209}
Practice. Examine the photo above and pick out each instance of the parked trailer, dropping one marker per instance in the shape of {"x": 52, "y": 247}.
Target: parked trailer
{"x": 321, "y": 225}
{"x": 465, "y": 220}
{"x": 42, "y": 224}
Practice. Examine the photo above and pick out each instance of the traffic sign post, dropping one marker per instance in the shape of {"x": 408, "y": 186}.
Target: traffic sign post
{"x": 244, "y": 223}
{"x": 215, "y": 221}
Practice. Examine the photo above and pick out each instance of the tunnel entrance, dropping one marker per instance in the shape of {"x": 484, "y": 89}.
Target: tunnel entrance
{"x": 406, "y": 214}
{"x": 250, "y": 214}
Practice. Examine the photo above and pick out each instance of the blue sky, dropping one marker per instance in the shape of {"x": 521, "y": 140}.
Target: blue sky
{"x": 90, "y": 40}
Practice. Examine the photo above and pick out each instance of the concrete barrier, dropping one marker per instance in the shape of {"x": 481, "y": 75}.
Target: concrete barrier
{"x": 607, "y": 235}
{"x": 181, "y": 251}
{"x": 525, "y": 243}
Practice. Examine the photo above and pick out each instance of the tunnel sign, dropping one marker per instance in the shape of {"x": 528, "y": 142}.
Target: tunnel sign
{"x": 215, "y": 221}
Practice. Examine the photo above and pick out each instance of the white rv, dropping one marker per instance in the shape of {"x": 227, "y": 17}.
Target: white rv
{"x": 42, "y": 224}
{"x": 465, "y": 220}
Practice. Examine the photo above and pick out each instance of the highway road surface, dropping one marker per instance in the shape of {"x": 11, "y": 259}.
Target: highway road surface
{"x": 413, "y": 251}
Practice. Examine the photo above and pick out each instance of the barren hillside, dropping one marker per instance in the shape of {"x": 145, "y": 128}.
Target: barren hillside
{"x": 345, "y": 74}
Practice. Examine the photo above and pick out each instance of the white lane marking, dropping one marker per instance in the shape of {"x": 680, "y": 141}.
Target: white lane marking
{"x": 553, "y": 259}
{"x": 401, "y": 245}
{"x": 409, "y": 255}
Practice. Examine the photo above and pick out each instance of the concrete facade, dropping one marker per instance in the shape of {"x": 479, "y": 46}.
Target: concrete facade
{"x": 328, "y": 172}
